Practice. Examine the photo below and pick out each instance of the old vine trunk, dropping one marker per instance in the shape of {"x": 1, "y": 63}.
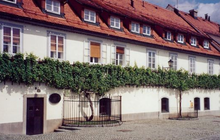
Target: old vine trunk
{"x": 87, "y": 95}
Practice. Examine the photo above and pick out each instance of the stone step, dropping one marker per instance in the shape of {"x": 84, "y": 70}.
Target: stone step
{"x": 68, "y": 127}
{"x": 62, "y": 130}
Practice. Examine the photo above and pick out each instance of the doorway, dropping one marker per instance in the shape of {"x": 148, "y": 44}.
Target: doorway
{"x": 34, "y": 124}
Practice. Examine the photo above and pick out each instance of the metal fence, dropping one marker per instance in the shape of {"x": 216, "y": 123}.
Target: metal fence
{"x": 78, "y": 111}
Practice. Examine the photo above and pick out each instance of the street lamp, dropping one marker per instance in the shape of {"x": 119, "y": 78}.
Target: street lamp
{"x": 170, "y": 63}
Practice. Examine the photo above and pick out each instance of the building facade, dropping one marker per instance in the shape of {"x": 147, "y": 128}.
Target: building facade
{"x": 127, "y": 33}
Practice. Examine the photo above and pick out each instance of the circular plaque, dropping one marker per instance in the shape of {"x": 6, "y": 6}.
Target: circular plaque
{"x": 55, "y": 98}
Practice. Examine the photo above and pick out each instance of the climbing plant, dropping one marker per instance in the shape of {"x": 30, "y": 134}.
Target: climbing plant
{"x": 96, "y": 78}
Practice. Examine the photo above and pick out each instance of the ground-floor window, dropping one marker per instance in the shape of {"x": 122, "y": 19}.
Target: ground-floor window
{"x": 164, "y": 105}
{"x": 206, "y": 103}
{"x": 105, "y": 106}
{"x": 197, "y": 103}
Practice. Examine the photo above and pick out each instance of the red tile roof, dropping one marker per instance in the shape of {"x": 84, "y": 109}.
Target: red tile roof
{"x": 148, "y": 13}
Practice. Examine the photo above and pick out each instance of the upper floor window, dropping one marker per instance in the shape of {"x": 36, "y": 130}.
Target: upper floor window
{"x": 192, "y": 64}
{"x": 53, "y": 6}
{"x": 151, "y": 56}
{"x": 11, "y": 40}
{"x": 56, "y": 46}
{"x": 95, "y": 52}
{"x": 173, "y": 57}
{"x": 119, "y": 56}
{"x": 193, "y": 41}
{"x": 11, "y": 1}
{"x": 135, "y": 27}
{"x": 168, "y": 35}
{"x": 89, "y": 16}
{"x": 206, "y": 44}
{"x": 115, "y": 22}
{"x": 210, "y": 66}
{"x": 147, "y": 30}
{"x": 180, "y": 38}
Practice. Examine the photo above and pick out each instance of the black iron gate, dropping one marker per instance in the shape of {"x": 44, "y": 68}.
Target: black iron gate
{"x": 77, "y": 110}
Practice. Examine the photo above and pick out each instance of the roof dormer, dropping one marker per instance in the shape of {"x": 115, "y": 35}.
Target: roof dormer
{"x": 52, "y": 7}
{"x": 180, "y": 38}
{"x": 14, "y": 3}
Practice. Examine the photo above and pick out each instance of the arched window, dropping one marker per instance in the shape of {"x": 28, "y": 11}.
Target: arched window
{"x": 164, "y": 105}
{"x": 206, "y": 104}
{"x": 105, "y": 106}
{"x": 196, "y": 103}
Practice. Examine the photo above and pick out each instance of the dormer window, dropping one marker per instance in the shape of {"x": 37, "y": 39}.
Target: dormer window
{"x": 115, "y": 22}
{"x": 147, "y": 30}
{"x": 89, "y": 16}
{"x": 168, "y": 35}
{"x": 180, "y": 38}
{"x": 206, "y": 44}
{"x": 53, "y": 6}
{"x": 11, "y": 1}
{"x": 135, "y": 27}
{"x": 193, "y": 41}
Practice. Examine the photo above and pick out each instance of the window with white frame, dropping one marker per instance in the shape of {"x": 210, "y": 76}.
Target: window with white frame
{"x": 89, "y": 16}
{"x": 173, "y": 57}
{"x": 180, "y": 38}
{"x": 206, "y": 44}
{"x": 135, "y": 27}
{"x": 151, "y": 56}
{"x": 11, "y": 40}
{"x": 53, "y": 6}
{"x": 57, "y": 46}
{"x": 193, "y": 41}
{"x": 192, "y": 64}
{"x": 115, "y": 22}
{"x": 95, "y": 52}
{"x": 146, "y": 30}
{"x": 211, "y": 67}
{"x": 168, "y": 35}
{"x": 119, "y": 56}
{"x": 11, "y": 1}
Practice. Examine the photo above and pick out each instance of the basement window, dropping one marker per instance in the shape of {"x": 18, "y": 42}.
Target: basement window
{"x": 206, "y": 104}
{"x": 164, "y": 105}
{"x": 196, "y": 103}
{"x": 53, "y": 6}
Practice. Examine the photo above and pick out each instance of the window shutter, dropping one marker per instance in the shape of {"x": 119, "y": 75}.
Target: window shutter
{"x": 113, "y": 54}
{"x": 104, "y": 53}
{"x": 86, "y": 51}
{"x": 95, "y": 50}
{"x": 127, "y": 56}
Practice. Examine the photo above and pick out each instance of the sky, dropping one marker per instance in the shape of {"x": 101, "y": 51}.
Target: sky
{"x": 212, "y": 7}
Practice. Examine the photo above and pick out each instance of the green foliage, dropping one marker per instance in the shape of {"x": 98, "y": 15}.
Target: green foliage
{"x": 96, "y": 78}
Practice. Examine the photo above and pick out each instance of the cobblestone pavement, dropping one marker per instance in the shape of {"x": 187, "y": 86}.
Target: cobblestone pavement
{"x": 153, "y": 129}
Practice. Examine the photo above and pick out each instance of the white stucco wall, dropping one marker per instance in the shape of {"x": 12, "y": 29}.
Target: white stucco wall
{"x": 35, "y": 41}
{"x": 12, "y": 104}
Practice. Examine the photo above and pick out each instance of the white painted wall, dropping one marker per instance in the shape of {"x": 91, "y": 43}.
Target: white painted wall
{"x": 12, "y": 101}
{"x": 35, "y": 41}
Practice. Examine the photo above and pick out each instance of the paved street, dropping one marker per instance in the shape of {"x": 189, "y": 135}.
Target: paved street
{"x": 204, "y": 128}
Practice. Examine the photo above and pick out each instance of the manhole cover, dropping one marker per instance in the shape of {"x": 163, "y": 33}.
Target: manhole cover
{"x": 124, "y": 130}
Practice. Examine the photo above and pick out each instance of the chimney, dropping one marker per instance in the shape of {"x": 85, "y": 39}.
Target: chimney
{"x": 143, "y": 3}
{"x": 219, "y": 28}
{"x": 193, "y": 13}
{"x": 206, "y": 16}
{"x": 132, "y": 3}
